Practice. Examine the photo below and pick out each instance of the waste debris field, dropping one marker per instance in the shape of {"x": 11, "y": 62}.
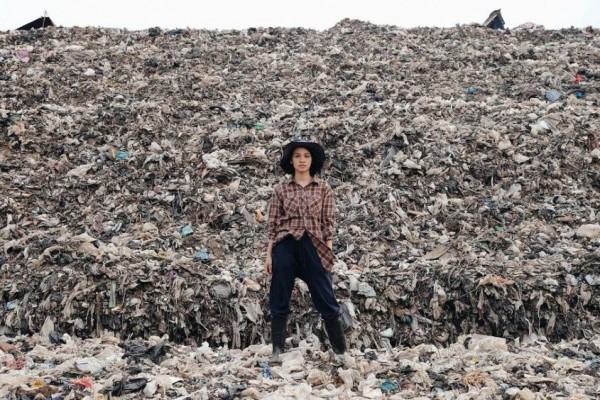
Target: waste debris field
{"x": 136, "y": 168}
{"x": 475, "y": 367}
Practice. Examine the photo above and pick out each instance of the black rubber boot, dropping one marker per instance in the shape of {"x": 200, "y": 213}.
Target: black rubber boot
{"x": 335, "y": 332}
{"x": 278, "y": 338}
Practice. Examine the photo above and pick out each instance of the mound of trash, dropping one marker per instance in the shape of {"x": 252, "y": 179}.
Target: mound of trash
{"x": 475, "y": 367}
{"x": 136, "y": 170}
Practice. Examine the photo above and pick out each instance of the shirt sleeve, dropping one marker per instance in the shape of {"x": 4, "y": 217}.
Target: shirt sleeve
{"x": 275, "y": 214}
{"x": 328, "y": 214}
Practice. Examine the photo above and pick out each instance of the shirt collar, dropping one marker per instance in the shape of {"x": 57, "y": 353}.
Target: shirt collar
{"x": 315, "y": 180}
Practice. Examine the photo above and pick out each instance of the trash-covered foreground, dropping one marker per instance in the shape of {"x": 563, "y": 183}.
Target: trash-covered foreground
{"x": 136, "y": 170}
{"x": 476, "y": 367}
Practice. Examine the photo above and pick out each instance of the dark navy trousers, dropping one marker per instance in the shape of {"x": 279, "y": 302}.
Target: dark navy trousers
{"x": 299, "y": 259}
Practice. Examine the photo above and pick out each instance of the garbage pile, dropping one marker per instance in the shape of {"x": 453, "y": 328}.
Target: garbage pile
{"x": 475, "y": 367}
{"x": 136, "y": 170}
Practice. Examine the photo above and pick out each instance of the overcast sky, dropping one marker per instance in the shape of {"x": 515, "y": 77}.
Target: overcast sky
{"x": 317, "y": 14}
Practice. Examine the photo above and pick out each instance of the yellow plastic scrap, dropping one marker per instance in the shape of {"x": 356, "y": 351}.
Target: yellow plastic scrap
{"x": 38, "y": 383}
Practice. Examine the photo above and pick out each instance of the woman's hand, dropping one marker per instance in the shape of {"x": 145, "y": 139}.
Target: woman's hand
{"x": 269, "y": 260}
{"x": 269, "y": 265}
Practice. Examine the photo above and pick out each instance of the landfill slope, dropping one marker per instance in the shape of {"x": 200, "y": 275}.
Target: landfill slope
{"x": 136, "y": 170}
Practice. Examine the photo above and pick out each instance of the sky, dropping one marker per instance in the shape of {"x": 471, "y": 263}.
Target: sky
{"x": 315, "y": 14}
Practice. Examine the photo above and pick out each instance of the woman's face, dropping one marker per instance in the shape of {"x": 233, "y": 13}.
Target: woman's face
{"x": 301, "y": 160}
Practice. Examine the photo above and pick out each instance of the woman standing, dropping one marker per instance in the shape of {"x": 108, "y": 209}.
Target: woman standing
{"x": 301, "y": 227}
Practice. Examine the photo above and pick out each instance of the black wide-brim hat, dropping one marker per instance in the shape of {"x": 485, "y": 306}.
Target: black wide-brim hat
{"x": 316, "y": 151}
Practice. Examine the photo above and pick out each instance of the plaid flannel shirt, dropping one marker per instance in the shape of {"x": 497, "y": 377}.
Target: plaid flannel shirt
{"x": 295, "y": 209}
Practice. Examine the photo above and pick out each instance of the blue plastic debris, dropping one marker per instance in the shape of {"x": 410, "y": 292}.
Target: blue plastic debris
{"x": 388, "y": 386}
{"x": 11, "y": 305}
{"x": 470, "y": 90}
{"x": 552, "y": 95}
{"x": 122, "y": 154}
{"x": 266, "y": 372}
{"x": 186, "y": 230}
{"x": 202, "y": 256}
{"x": 580, "y": 94}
